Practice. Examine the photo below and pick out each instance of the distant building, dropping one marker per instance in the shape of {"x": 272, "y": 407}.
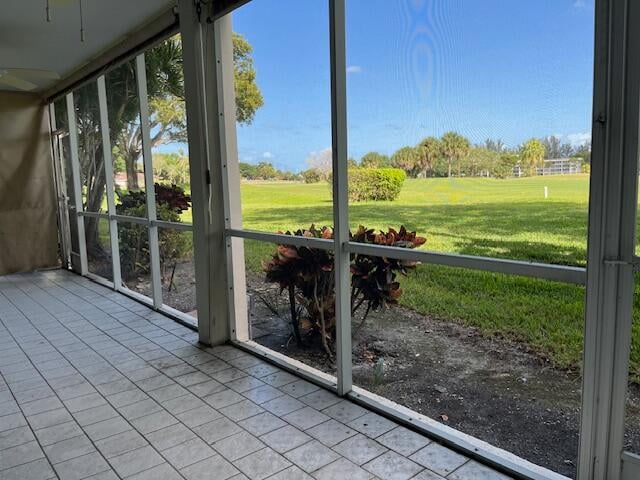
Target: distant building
{"x": 120, "y": 179}
{"x": 554, "y": 166}
{"x": 560, "y": 166}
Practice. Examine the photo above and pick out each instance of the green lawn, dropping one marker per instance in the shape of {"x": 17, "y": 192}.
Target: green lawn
{"x": 498, "y": 218}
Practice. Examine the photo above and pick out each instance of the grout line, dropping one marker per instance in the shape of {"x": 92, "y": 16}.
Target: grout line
{"x": 13, "y": 395}
{"x": 457, "y": 468}
{"x": 105, "y": 305}
{"x": 160, "y": 404}
{"x": 78, "y": 372}
{"x": 90, "y": 383}
{"x": 197, "y": 435}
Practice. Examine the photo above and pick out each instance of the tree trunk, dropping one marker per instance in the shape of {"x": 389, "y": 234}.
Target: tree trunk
{"x": 95, "y": 197}
{"x": 449, "y": 162}
{"x": 132, "y": 174}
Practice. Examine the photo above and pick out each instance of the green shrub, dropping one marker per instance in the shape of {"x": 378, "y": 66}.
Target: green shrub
{"x": 367, "y": 184}
{"x": 171, "y": 201}
{"x": 313, "y": 175}
{"x": 503, "y": 168}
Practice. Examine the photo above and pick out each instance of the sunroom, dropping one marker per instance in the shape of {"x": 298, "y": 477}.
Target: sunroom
{"x": 275, "y": 239}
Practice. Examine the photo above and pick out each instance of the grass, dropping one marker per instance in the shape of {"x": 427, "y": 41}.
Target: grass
{"x": 475, "y": 216}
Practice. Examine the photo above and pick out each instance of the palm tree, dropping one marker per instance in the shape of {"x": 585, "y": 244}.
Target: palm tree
{"x": 165, "y": 90}
{"x": 494, "y": 145}
{"x": 406, "y": 158}
{"x": 430, "y": 149}
{"x": 374, "y": 160}
{"x": 532, "y": 155}
{"x": 454, "y": 147}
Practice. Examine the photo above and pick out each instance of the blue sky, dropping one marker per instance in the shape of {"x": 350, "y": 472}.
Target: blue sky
{"x": 508, "y": 69}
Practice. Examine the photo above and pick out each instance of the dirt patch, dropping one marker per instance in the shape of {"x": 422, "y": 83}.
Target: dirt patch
{"x": 491, "y": 388}
{"x": 178, "y": 288}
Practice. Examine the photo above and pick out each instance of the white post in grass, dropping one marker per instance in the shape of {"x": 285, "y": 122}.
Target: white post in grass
{"x": 546, "y": 192}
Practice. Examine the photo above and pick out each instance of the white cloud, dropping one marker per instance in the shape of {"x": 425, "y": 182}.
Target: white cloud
{"x": 267, "y": 155}
{"x": 354, "y": 69}
{"x": 577, "y": 139}
{"x": 321, "y": 160}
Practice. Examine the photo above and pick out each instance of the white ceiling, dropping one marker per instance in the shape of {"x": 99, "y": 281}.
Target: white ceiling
{"x": 28, "y": 41}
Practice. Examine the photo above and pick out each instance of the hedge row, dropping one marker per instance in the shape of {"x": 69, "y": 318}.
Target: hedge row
{"x": 367, "y": 184}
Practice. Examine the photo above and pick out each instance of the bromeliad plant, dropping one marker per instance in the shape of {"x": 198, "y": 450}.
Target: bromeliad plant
{"x": 307, "y": 274}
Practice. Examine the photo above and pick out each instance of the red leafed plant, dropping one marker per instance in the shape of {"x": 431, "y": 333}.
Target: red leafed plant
{"x": 172, "y": 196}
{"x": 308, "y": 276}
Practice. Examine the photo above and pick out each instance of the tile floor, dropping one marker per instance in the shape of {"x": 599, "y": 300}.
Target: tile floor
{"x": 94, "y": 385}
